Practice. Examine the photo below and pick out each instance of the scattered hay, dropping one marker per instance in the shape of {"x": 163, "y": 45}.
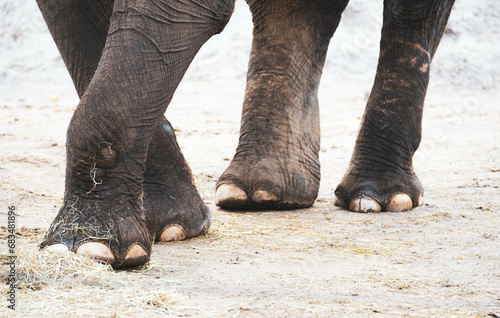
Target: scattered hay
{"x": 65, "y": 284}
{"x": 427, "y": 219}
{"x": 274, "y": 231}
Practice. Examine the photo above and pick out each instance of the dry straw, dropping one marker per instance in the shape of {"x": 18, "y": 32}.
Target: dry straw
{"x": 52, "y": 284}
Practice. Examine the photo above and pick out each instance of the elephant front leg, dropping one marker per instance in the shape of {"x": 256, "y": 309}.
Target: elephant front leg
{"x": 276, "y": 164}
{"x": 148, "y": 48}
{"x": 380, "y": 176}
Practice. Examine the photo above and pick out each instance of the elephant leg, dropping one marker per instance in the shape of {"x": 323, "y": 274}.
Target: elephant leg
{"x": 79, "y": 29}
{"x": 147, "y": 50}
{"x": 276, "y": 164}
{"x": 174, "y": 209}
{"x": 380, "y": 176}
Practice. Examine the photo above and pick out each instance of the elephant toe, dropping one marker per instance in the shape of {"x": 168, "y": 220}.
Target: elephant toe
{"x": 399, "y": 203}
{"x": 364, "y": 204}
{"x": 97, "y": 251}
{"x": 264, "y": 197}
{"x": 135, "y": 256}
{"x": 173, "y": 233}
{"x": 230, "y": 196}
{"x": 58, "y": 248}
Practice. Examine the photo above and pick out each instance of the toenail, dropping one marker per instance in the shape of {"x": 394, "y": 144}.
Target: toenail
{"x": 58, "y": 248}
{"x": 399, "y": 203}
{"x": 136, "y": 251}
{"x": 96, "y": 250}
{"x": 362, "y": 204}
{"x": 262, "y": 196}
{"x": 173, "y": 233}
{"x": 229, "y": 194}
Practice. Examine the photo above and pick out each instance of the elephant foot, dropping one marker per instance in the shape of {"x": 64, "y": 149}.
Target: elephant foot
{"x": 115, "y": 234}
{"x": 174, "y": 209}
{"x": 369, "y": 190}
{"x": 175, "y": 214}
{"x": 278, "y": 183}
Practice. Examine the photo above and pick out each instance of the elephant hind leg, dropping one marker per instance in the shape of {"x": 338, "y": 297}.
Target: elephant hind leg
{"x": 380, "y": 176}
{"x": 79, "y": 29}
{"x": 276, "y": 165}
{"x": 174, "y": 208}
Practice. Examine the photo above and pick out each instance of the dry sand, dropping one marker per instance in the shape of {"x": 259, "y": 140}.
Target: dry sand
{"x": 439, "y": 260}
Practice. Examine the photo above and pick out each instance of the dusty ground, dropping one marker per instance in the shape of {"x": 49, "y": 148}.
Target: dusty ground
{"x": 441, "y": 259}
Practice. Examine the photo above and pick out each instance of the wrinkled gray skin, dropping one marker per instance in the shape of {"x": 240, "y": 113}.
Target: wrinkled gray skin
{"x": 127, "y": 182}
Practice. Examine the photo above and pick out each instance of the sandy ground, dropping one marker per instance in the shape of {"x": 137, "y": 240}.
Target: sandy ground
{"x": 441, "y": 259}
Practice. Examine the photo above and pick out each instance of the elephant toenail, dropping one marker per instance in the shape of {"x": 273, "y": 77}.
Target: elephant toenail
{"x": 97, "y": 251}
{"x": 173, "y": 233}
{"x": 262, "y": 196}
{"x": 135, "y": 252}
{"x": 399, "y": 203}
{"x": 58, "y": 248}
{"x": 362, "y": 204}
{"x": 229, "y": 195}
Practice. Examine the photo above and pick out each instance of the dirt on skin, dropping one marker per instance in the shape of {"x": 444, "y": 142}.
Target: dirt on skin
{"x": 439, "y": 260}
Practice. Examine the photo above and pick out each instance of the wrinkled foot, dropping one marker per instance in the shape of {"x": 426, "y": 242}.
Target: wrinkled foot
{"x": 174, "y": 209}
{"x": 86, "y": 227}
{"x": 268, "y": 184}
{"x": 373, "y": 191}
